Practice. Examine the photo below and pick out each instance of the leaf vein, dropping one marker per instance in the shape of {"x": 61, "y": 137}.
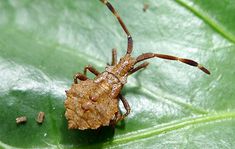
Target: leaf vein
{"x": 161, "y": 129}
{"x": 212, "y": 23}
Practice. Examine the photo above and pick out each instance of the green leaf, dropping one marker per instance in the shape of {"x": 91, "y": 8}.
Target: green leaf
{"x": 44, "y": 43}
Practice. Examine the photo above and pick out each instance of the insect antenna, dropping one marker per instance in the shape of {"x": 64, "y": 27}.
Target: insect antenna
{"x": 190, "y": 62}
{"x": 129, "y": 38}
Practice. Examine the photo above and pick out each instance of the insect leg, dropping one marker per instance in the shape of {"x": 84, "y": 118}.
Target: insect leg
{"x": 143, "y": 65}
{"x": 79, "y": 76}
{"x": 114, "y": 57}
{"x": 118, "y": 115}
{"x": 129, "y": 38}
{"x": 126, "y": 106}
{"x": 116, "y": 119}
{"x": 190, "y": 62}
{"x": 91, "y": 69}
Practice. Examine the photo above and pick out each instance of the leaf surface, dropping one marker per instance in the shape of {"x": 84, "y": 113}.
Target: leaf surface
{"x": 44, "y": 43}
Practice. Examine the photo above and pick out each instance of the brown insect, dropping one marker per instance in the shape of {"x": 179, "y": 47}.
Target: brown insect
{"x": 92, "y": 103}
{"x": 21, "y": 119}
{"x": 40, "y": 117}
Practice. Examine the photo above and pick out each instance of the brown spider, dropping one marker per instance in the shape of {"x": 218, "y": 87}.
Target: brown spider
{"x": 92, "y": 103}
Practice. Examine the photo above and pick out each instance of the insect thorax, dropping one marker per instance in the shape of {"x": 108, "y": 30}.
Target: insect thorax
{"x": 108, "y": 83}
{"x": 122, "y": 69}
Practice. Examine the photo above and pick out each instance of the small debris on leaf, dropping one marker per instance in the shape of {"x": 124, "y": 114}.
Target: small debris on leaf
{"x": 40, "y": 117}
{"x": 20, "y": 120}
{"x": 146, "y": 6}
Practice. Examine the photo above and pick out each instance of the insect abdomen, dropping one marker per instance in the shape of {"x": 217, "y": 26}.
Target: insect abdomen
{"x": 84, "y": 113}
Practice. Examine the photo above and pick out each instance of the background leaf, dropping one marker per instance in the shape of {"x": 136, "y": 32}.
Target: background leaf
{"x": 43, "y": 43}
